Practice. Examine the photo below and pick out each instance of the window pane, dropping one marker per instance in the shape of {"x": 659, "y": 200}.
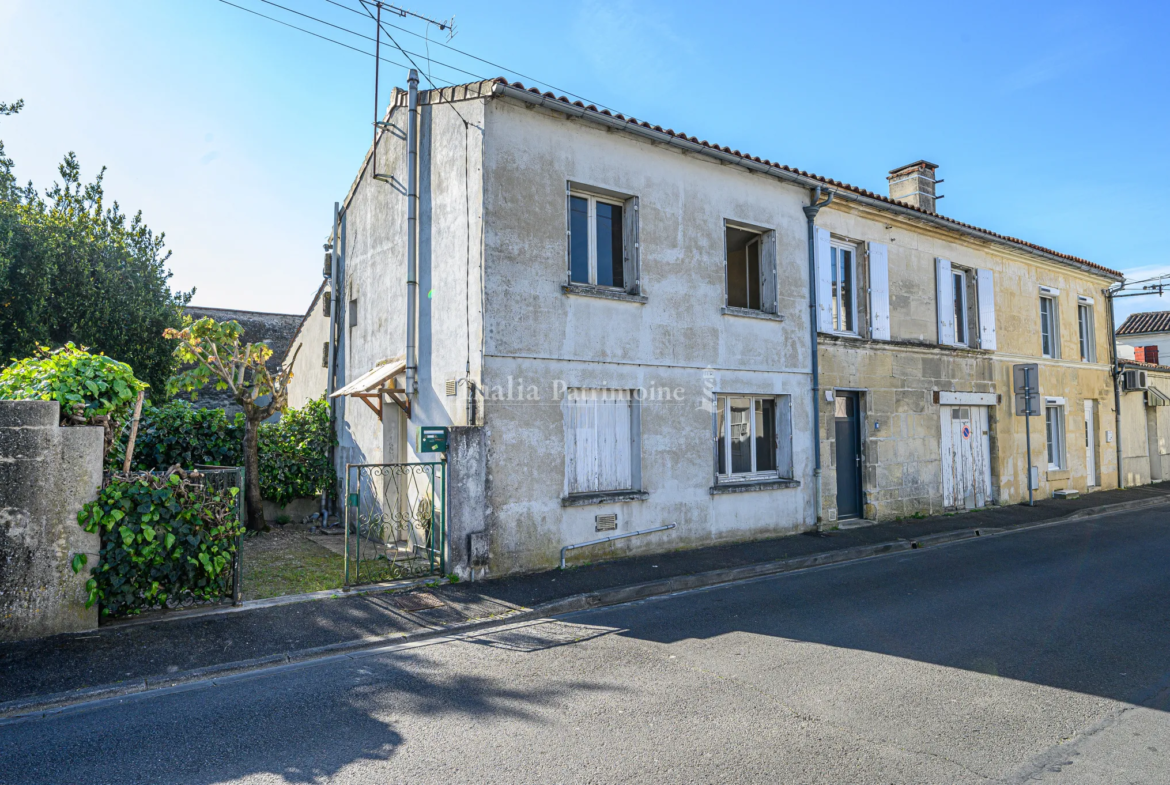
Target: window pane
{"x": 753, "y": 275}
{"x": 721, "y": 434}
{"x": 1046, "y": 326}
{"x": 960, "y": 311}
{"x": 1050, "y": 433}
{"x": 741, "y": 435}
{"x": 609, "y": 245}
{"x": 847, "y": 290}
{"x": 835, "y": 265}
{"x": 579, "y": 239}
{"x": 1083, "y": 318}
{"x": 765, "y": 435}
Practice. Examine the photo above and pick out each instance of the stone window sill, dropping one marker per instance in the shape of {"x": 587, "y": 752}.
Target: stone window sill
{"x": 584, "y": 290}
{"x": 605, "y": 497}
{"x": 752, "y": 314}
{"x": 755, "y": 485}
{"x": 1061, "y": 474}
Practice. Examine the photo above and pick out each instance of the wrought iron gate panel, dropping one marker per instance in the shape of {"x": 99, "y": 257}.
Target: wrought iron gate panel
{"x": 395, "y": 516}
{"x": 222, "y": 478}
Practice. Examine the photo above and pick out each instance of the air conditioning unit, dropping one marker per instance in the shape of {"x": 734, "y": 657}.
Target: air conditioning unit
{"x": 1135, "y": 380}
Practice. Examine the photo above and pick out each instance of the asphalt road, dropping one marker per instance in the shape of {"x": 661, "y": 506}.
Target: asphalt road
{"x": 1041, "y": 656}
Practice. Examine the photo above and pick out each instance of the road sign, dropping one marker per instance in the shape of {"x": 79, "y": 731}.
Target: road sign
{"x": 1026, "y": 386}
{"x": 966, "y": 431}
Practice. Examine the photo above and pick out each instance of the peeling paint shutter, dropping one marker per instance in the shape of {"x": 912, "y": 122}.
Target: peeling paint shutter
{"x": 568, "y": 235}
{"x": 598, "y": 440}
{"x": 879, "y": 292}
{"x": 823, "y": 254}
{"x": 631, "y": 272}
{"x": 946, "y": 302}
{"x": 985, "y": 293}
{"x": 768, "y": 301}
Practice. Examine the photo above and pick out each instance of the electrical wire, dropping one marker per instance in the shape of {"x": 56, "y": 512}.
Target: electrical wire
{"x": 368, "y": 38}
{"x": 315, "y": 35}
{"x": 480, "y": 59}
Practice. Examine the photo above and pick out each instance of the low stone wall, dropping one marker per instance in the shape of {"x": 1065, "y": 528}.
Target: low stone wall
{"x": 46, "y": 474}
{"x": 467, "y": 537}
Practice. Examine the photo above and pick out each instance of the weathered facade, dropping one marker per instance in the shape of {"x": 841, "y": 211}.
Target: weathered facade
{"x": 1145, "y": 331}
{"x": 935, "y": 428}
{"x": 310, "y": 344}
{"x": 624, "y": 312}
{"x": 1145, "y": 423}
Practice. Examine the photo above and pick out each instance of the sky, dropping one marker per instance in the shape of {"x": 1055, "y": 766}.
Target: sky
{"x": 235, "y": 135}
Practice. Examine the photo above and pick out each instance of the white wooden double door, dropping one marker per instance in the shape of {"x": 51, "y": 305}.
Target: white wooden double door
{"x": 966, "y": 457}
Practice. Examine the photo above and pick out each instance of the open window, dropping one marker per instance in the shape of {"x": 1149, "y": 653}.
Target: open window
{"x": 753, "y": 438}
{"x": 1086, "y": 332}
{"x": 852, "y": 287}
{"x": 602, "y": 240}
{"x": 751, "y": 269}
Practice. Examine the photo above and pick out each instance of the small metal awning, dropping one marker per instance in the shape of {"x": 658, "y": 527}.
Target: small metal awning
{"x": 1155, "y": 397}
{"x": 381, "y": 379}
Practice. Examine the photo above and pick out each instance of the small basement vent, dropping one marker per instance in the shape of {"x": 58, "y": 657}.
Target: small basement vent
{"x": 452, "y": 387}
{"x": 606, "y": 523}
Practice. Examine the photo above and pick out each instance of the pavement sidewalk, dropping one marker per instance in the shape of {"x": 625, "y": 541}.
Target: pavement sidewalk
{"x": 163, "y": 650}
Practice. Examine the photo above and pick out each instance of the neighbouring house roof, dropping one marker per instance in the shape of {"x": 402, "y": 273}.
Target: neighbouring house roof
{"x": 275, "y": 329}
{"x": 1149, "y": 322}
{"x": 501, "y": 86}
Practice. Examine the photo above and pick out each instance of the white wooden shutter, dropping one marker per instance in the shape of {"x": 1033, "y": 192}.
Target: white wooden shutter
{"x": 823, "y": 254}
{"x": 879, "y": 292}
{"x": 768, "y": 298}
{"x": 985, "y": 293}
{"x": 568, "y": 235}
{"x": 946, "y": 302}
{"x": 631, "y": 250}
{"x": 597, "y": 440}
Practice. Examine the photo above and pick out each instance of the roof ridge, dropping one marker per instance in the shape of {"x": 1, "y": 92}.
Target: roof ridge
{"x": 803, "y": 173}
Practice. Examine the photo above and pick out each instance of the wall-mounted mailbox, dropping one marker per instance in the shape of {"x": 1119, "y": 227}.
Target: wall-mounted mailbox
{"x": 432, "y": 438}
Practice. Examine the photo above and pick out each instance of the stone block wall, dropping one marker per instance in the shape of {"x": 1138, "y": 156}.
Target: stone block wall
{"x": 46, "y": 474}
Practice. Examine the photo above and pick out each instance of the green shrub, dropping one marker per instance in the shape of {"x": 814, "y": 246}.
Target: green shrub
{"x": 86, "y": 385}
{"x": 294, "y": 451}
{"x": 294, "y": 454}
{"x": 166, "y": 539}
{"x": 178, "y": 433}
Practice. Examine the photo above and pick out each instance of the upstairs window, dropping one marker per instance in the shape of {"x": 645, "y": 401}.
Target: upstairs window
{"x": 1049, "y": 338}
{"x": 843, "y": 288}
{"x": 959, "y": 286}
{"x": 751, "y": 269}
{"x": 1086, "y": 332}
{"x": 602, "y": 235}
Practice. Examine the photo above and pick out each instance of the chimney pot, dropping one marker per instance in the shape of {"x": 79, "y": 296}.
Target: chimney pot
{"x": 914, "y": 184}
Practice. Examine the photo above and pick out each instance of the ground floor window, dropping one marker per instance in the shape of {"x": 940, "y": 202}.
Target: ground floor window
{"x": 1054, "y": 431}
{"x": 601, "y": 440}
{"x": 753, "y": 437}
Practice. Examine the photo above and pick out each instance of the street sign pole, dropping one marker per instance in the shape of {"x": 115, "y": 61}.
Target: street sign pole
{"x": 1028, "y": 431}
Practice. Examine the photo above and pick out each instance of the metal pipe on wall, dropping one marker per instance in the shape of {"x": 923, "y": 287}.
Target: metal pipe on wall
{"x": 810, "y": 211}
{"x": 1115, "y": 370}
{"x": 411, "y": 230}
{"x": 331, "y": 362}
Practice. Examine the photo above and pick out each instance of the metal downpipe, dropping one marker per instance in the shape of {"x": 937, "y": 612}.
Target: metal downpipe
{"x": 810, "y": 212}
{"x": 411, "y": 230}
{"x": 1115, "y": 369}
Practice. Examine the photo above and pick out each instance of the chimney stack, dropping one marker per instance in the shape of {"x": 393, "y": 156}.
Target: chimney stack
{"x": 914, "y": 184}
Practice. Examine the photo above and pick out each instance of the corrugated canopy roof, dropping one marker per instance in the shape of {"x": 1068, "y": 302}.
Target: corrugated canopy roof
{"x": 375, "y": 379}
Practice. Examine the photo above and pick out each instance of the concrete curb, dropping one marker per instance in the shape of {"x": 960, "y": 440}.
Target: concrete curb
{"x": 46, "y": 705}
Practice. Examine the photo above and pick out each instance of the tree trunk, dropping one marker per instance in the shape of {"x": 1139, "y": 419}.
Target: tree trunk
{"x": 252, "y": 497}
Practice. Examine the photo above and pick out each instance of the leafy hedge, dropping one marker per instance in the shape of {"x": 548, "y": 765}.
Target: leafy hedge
{"x": 294, "y": 451}
{"x": 86, "y": 385}
{"x": 166, "y": 539}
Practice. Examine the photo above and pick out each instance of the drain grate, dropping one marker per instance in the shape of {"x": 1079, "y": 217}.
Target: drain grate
{"x": 416, "y": 601}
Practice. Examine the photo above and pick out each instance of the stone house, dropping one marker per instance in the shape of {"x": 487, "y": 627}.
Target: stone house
{"x": 310, "y": 343}
{"x": 921, "y": 319}
{"x": 1145, "y": 422}
{"x": 615, "y": 320}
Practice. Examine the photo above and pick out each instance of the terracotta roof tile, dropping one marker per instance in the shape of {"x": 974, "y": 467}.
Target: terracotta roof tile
{"x": 828, "y": 181}
{"x": 1150, "y": 322}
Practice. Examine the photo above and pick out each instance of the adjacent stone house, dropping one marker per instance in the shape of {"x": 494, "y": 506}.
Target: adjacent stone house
{"x": 1145, "y": 422}
{"x": 616, "y": 317}
{"x": 310, "y": 344}
{"x": 1147, "y": 335}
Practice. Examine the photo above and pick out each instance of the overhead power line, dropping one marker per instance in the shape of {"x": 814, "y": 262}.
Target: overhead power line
{"x": 315, "y": 35}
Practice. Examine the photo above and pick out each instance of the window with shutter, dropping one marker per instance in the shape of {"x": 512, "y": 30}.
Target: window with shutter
{"x": 600, "y": 440}
{"x": 879, "y": 292}
{"x": 750, "y": 266}
{"x": 753, "y": 437}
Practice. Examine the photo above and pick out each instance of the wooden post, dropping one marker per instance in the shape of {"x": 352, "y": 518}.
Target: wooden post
{"x": 133, "y": 432}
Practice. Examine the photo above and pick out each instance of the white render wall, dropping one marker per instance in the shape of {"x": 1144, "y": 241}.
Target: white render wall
{"x": 309, "y": 372}
{"x": 539, "y": 334}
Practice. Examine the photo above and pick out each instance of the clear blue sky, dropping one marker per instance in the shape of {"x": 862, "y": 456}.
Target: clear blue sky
{"x": 236, "y": 135}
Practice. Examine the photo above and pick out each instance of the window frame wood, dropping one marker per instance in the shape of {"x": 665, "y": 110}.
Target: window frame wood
{"x": 781, "y": 426}
{"x": 835, "y": 282}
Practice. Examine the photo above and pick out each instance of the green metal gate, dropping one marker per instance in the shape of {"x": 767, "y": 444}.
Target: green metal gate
{"x": 222, "y": 478}
{"x": 395, "y": 521}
